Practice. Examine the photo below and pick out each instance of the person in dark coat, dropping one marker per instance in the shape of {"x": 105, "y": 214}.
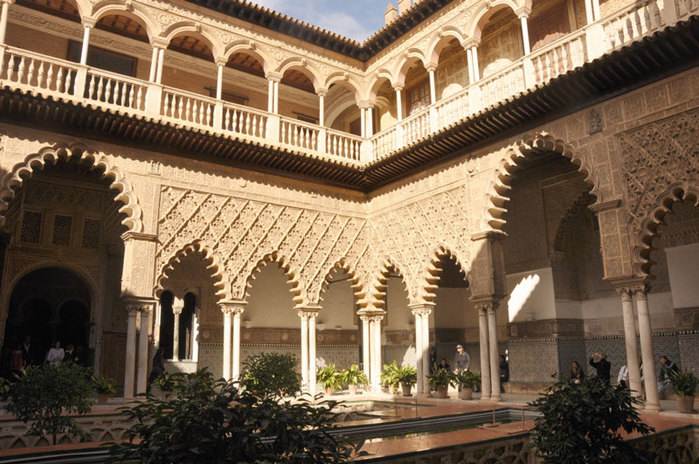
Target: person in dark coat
{"x": 577, "y": 373}
{"x": 433, "y": 359}
{"x": 602, "y": 366}
{"x": 158, "y": 367}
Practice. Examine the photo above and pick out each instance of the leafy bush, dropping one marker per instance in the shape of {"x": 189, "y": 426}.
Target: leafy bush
{"x": 104, "y": 385}
{"x": 42, "y": 394}
{"x": 407, "y": 375}
{"x": 389, "y": 376}
{"x": 271, "y": 375}
{"x": 468, "y": 379}
{"x": 353, "y": 375}
{"x": 329, "y": 377}
{"x": 583, "y": 423}
{"x": 683, "y": 382}
{"x": 441, "y": 379}
{"x": 209, "y": 421}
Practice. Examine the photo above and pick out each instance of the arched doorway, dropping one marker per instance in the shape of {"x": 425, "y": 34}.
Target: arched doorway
{"x": 50, "y": 304}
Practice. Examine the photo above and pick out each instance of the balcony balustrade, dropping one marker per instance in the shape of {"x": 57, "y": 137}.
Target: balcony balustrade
{"x": 29, "y": 71}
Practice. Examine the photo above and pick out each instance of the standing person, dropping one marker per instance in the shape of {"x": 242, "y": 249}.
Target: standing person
{"x": 462, "y": 360}
{"x": 576, "y": 372}
{"x": 667, "y": 369}
{"x": 55, "y": 355}
{"x": 158, "y": 367}
{"x": 623, "y": 377}
{"x": 69, "y": 355}
{"x": 602, "y": 366}
{"x": 433, "y": 359}
{"x": 29, "y": 355}
{"x": 504, "y": 372}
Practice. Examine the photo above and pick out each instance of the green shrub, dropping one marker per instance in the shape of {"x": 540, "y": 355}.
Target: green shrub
{"x": 441, "y": 379}
{"x": 353, "y": 375}
{"x": 329, "y": 377}
{"x": 583, "y": 423}
{"x": 104, "y": 385}
{"x": 271, "y": 375}
{"x": 407, "y": 375}
{"x": 207, "y": 421}
{"x": 42, "y": 394}
{"x": 389, "y": 376}
{"x": 468, "y": 379}
{"x": 683, "y": 382}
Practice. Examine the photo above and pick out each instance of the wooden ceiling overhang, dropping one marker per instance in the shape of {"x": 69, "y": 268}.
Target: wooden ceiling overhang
{"x": 278, "y": 22}
{"x": 661, "y": 55}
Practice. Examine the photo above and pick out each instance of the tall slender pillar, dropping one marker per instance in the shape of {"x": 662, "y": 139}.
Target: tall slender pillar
{"x": 304, "y": 350}
{"x": 275, "y": 109}
{"x": 3, "y": 19}
{"x": 366, "y": 345}
{"x": 219, "y": 79}
{"x": 227, "y": 310}
{"x": 632, "y": 362}
{"x": 589, "y": 14}
{"x": 370, "y": 121}
{"x": 494, "y": 353}
{"x": 433, "y": 86}
{"x": 525, "y": 34}
{"x": 649, "y": 376}
{"x": 312, "y": 352}
{"x": 485, "y": 350}
{"x": 86, "y": 41}
{"x": 130, "y": 361}
{"x": 422, "y": 344}
{"x": 376, "y": 351}
{"x": 426, "y": 348}
{"x": 237, "y": 317}
{"x": 474, "y": 59}
{"x": 418, "y": 349}
{"x": 153, "y": 64}
{"x": 143, "y": 355}
{"x": 195, "y": 335}
{"x": 399, "y": 102}
{"x": 270, "y": 95}
{"x": 321, "y": 106}
{"x": 595, "y": 10}
{"x": 177, "y": 307}
{"x": 161, "y": 61}
{"x": 362, "y": 121}
{"x": 469, "y": 62}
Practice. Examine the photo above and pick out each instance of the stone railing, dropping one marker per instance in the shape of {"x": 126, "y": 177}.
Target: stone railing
{"x": 29, "y": 71}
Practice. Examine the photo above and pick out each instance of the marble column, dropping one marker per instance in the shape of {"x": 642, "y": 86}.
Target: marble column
{"x": 143, "y": 354}
{"x": 632, "y": 362}
{"x": 399, "y": 102}
{"x": 525, "y": 33}
{"x": 486, "y": 388}
{"x": 237, "y": 317}
{"x": 177, "y": 308}
{"x": 86, "y": 41}
{"x": 433, "y": 86}
{"x": 366, "y": 345}
{"x": 494, "y": 352}
{"x": 312, "y": 367}
{"x": 304, "y": 350}
{"x": 227, "y": 310}
{"x": 376, "y": 351}
{"x": 130, "y": 361}
{"x": 649, "y": 375}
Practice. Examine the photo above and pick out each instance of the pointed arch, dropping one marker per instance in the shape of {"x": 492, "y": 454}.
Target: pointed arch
{"x": 497, "y": 190}
{"x": 21, "y": 172}
{"x": 680, "y": 191}
{"x": 297, "y": 289}
{"x": 375, "y": 297}
{"x": 210, "y": 258}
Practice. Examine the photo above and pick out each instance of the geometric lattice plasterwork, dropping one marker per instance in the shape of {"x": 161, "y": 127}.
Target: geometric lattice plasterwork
{"x": 414, "y": 237}
{"x": 239, "y": 235}
{"x": 657, "y": 156}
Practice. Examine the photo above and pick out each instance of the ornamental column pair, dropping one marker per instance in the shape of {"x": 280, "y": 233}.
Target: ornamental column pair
{"x": 371, "y": 345}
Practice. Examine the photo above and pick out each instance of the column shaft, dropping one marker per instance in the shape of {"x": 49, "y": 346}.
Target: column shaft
{"x": 142, "y": 374}
{"x": 270, "y": 96}
{"x": 649, "y": 376}
{"x": 469, "y": 61}
{"x": 226, "y": 343}
{"x": 366, "y": 346}
{"x": 312, "y": 354}
{"x": 161, "y": 61}
{"x": 153, "y": 65}
{"x": 304, "y": 351}
{"x": 433, "y": 87}
{"x": 362, "y": 117}
{"x": 376, "y": 355}
{"x": 176, "y": 336}
{"x": 399, "y": 104}
{"x": 3, "y": 21}
{"x": 632, "y": 362}
{"x": 485, "y": 357}
{"x": 275, "y": 110}
{"x": 494, "y": 354}
{"x": 418, "y": 351}
{"x": 321, "y": 110}
{"x": 474, "y": 57}
{"x": 425, "y": 351}
{"x": 130, "y": 361}
{"x": 219, "y": 81}
{"x": 525, "y": 35}
{"x": 236, "y": 343}
{"x": 370, "y": 121}
{"x": 85, "y": 45}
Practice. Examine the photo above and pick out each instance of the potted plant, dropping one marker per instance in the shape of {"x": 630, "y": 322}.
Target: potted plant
{"x": 407, "y": 377}
{"x": 440, "y": 381}
{"x": 353, "y": 376}
{"x": 468, "y": 380}
{"x": 330, "y": 378}
{"x": 105, "y": 388}
{"x": 389, "y": 376}
{"x": 684, "y": 384}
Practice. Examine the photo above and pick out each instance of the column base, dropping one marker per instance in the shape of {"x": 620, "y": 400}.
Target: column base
{"x": 652, "y": 408}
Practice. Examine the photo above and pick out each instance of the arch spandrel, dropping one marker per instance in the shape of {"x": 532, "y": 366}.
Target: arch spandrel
{"x": 21, "y": 172}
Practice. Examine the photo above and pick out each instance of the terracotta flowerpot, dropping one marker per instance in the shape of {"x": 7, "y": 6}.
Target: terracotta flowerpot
{"x": 406, "y": 388}
{"x": 466, "y": 393}
{"x": 686, "y": 404}
{"x": 352, "y": 389}
{"x": 442, "y": 392}
{"x": 102, "y": 398}
{"x": 328, "y": 391}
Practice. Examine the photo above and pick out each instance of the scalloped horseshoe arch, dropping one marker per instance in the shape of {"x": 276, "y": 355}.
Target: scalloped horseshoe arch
{"x": 497, "y": 191}
{"x": 431, "y": 274}
{"x": 649, "y": 227}
{"x": 208, "y": 256}
{"x": 341, "y": 265}
{"x": 297, "y": 290}
{"x": 13, "y": 181}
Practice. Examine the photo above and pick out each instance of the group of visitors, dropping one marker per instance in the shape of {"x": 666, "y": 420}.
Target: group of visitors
{"x": 603, "y": 368}
{"x": 27, "y": 354}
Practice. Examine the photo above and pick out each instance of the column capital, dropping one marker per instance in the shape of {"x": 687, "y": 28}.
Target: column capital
{"x": 629, "y": 285}
{"x": 159, "y": 42}
{"x": 274, "y": 76}
{"x": 421, "y": 309}
{"x": 488, "y": 235}
{"x": 88, "y": 22}
{"x": 307, "y": 311}
{"x": 523, "y": 12}
{"x": 484, "y": 304}
{"x": 139, "y": 305}
{"x": 221, "y": 61}
{"x": 431, "y": 67}
{"x": 398, "y": 87}
{"x": 321, "y": 92}
{"x": 470, "y": 43}
{"x": 365, "y": 104}
{"x": 371, "y": 315}
{"x": 232, "y": 307}
{"x": 9, "y": 2}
